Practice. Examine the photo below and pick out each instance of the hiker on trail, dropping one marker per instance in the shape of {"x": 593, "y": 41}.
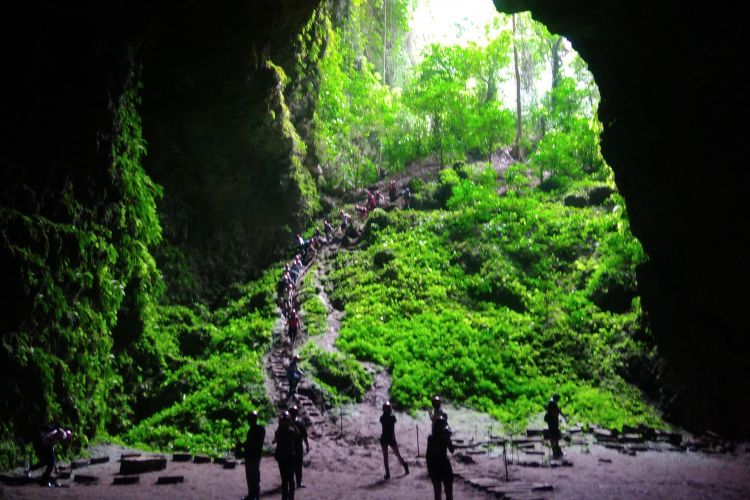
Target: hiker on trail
{"x": 437, "y": 409}
{"x": 328, "y": 228}
{"x": 285, "y": 437}
{"x": 552, "y": 417}
{"x": 393, "y": 191}
{"x": 293, "y": 375}
{"x": 44, "y": 441}
{"x": 379, "y": 198}
{"x": 256, "y": 433}
{"x": 407, "y": 197}
{"x": 293, "y": 325}
{"x": 299, "y": 440}
{"x": 361, "y": 211}
{"x": 372, "y": 202}
{"x": 388, "y": 438}
{"x": 438, "y": 464}
{"x": 346, "y": 219}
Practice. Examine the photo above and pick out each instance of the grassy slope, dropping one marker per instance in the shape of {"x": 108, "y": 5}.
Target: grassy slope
{"x": 489, "y": 303}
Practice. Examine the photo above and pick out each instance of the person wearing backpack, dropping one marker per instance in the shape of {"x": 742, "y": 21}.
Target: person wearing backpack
{"x": 45, "y": 439}
{"x": 438, "y": 464}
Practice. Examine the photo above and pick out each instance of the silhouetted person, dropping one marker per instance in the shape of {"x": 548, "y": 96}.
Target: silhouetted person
{"x": 293, "y": 325}
{"x": 285, "y": 437}
{"x": 393, "y": 191}
{"x": 438, "y": 464}
{"x": 437, "y": 409}
{"x": 407, "y": 197}
{"x": 388, "y": 438}
{"x": 345, "y": 220}
{"x": 293, "y": 375}
{"x": 552, "y": 417}
{"x": 44, "y": 442}
{"x": 301, "y": 438}
{"x": 256, "y": 433}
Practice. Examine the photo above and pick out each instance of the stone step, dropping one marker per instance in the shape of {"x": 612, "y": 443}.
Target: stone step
{"x": 138, "y": 465}
{"x": 85, "y": 479}
{"x": 170, "y": 479}
{"x": 126, "y": 480}
{"x": 99, "y": 460}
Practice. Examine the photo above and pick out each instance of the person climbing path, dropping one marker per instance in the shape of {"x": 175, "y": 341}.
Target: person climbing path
{"x": 388, "y": 439}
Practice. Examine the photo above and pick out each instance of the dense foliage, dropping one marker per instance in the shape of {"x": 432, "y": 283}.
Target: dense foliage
{"x": 78, "y": 253}
{"x": 202, "y": 371}
{"x": 493, "y": 303}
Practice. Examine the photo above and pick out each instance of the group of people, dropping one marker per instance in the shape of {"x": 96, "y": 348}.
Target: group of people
{"x": 286, "y": 292}
{"x": 291, "y": 445}
{"x": 291, "y": 434}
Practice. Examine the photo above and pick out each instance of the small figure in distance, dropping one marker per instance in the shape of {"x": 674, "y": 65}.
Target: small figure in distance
{"x": 300, "y": 439}
{"x": 407, "y": 197}
{"x": 552, "y": 417}
{"x": 393, "y": 191}
{"x": 345, "y": 220}
{"x": 293, "y": 375}
{"x": 44, "y": 442}
{"x": 388, "y": 438}
{"x": 256, "y": 434}
{"x": 293, "y": 326}
{"x": 438, "y": 464}
{"x": 328, "y": 228}
{"x": 437, "y": 409}
{"x": 372, "y": 201}
{"x": 285, "y": 437}
{"x": 361, "y": 211}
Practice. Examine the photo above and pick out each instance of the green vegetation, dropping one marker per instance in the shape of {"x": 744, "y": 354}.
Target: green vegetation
{"x": 203, "y": 372}
{"x": 491, "y": 303}
{"x": 79, "y": 263}
{"x": 313, "y": 314}
{"x": 340, "y": 376}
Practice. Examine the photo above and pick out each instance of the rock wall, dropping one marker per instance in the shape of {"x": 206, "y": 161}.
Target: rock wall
{"x": 222, "y": 140}
{"x": 673, "y": 98}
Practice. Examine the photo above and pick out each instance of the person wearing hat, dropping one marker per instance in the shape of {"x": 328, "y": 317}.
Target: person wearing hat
{"x": 293, "y": 375}
{"x": 285, "y": 454}
{"x": 256, "y": 434}
{"x": 44, "y": 442}
{"x": 388, "y": 438}
{"x": 552, "y": 417}
{"x": 300, "y": 439}
{"x": 438, "y": 464}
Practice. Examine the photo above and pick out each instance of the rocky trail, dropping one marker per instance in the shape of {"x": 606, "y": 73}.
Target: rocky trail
{"x": 345, "y": 459}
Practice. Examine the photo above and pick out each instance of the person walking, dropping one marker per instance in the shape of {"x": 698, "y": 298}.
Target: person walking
{"x": 388, "y": 438}
{"x": 293, "y": 375}
{"x": 438, "y": 464}
{"x": 284, "y": 438}
{"x": 300, "y": 439}
{"x": 437, "y": 409}
{"x": 256, "y": 434}
{"x": 552, "y": 417}
{"x": 46, "y": 438}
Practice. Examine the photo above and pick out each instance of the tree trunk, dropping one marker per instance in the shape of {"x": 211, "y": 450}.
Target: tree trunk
{"x": 556, "y": 62}
{"x": 519, "y": 125}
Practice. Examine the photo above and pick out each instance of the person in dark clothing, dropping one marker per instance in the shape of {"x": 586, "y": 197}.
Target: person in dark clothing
{"x": 393, "y": 192}
{"x": 388, "y": 438}
{"x": 44, "y": 442}
{"x": 293, "y": 326}
{"x": 256, "y": 434}
{"x": 285, "y": 438}
{"x": 552, "y": 417}
{"x": 437, "y": 409}
{"x": 301, "y": 438}
{"x": 438, "y": 464}
{"x": 293, "y": 375}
